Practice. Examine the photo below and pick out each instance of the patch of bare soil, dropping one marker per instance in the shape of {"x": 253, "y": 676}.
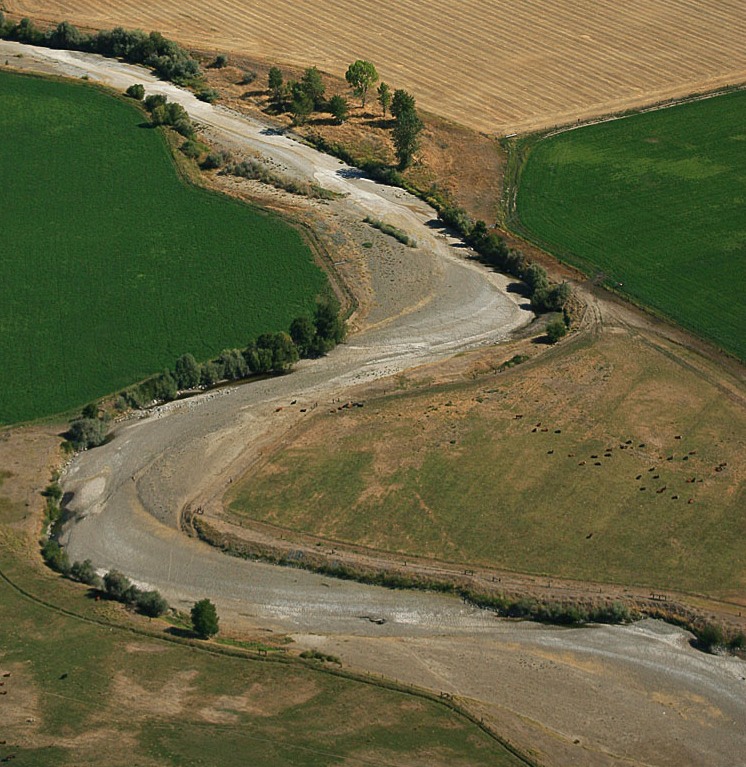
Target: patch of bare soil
{"x": 259, "y": 701}
{"x": 169, "y": 701}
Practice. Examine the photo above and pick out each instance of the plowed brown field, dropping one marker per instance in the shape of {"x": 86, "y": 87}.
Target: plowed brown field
{"x": 496, "y": 66}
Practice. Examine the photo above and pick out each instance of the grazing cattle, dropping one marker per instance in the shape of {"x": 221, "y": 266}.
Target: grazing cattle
{"x": 661, "y": 490}
{"x": 550, "y": 452}
{"x": 598, "y": 463}
{"x": 639, "y": 476}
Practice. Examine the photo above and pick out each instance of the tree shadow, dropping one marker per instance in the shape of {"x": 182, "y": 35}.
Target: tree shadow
{"x": 181, "y": 633}
{"x": 378, "y": 122}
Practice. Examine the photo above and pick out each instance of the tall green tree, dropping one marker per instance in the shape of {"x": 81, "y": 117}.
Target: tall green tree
{"x": 406, "y": 128}
{"x": 204, "y": 619}
{"x": 187, "y": 372}
{"x": 384, "y": 97}
{"x": 339, "y": 108}
{"x": 402, "y": 102}
{"x": 314, "y": 87}
{"x": 275, "y": 81}
{"x": 303, "y": 333}
{"x": 360, "y": 76}
{"x": 301, "y": 105}
{"x": 66, "y": 36}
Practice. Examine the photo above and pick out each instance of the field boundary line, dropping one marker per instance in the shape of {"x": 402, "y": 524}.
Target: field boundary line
{"x": 248, "y": 655}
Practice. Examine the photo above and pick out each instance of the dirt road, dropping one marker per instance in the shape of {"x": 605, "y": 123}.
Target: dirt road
{"x": 632, "y": 695}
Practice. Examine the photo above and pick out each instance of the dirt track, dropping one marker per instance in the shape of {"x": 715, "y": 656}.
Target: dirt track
{"x": 639, "y": 694}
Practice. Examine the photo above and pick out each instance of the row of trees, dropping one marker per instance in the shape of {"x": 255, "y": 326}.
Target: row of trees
{"x": 118, "y": 587}
{"x": 309, "y": 337}
{"x": 114, "y": 585}
{"x": 167, "y": 58}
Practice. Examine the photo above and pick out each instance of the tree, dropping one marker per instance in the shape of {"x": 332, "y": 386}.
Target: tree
{"x": 405, "y": 134}
{"x": 232, "y": 365}
{"x": 117, "y": 585}
{"x": 402, "y": 102}
{"x": 210, "y": 374}
{"x": 361, "y": 75}
{"x": 301, "y": 105}
{"x": 136, "y": 91}
{"x": 86, "y": 573}
{"x": 221, "y": 61}
{"x": 66, "y": 36}
{"x": 187, "y": 372}
{"x": 151, "y": 603}
{"x": 303, "y": 333}
{"x": 85, "y": 433}
{"x": 556, "y": 329}
{"x": 339, "y": 108}
{"x": 154, "y": 100}
{"x": 204, "y": 619}
{"x": 275, "y": 82}
{"x": 384, "y": 97}
{"x": 164, "y": 387}
{"x": 313, "y": 86}
{"x": 330, "y": 328}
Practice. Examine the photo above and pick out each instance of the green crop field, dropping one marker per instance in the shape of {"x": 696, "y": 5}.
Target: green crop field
{"x": 132, "y": 699}
{"x": 111, "y": 266}
{"x": 655, "y": 202}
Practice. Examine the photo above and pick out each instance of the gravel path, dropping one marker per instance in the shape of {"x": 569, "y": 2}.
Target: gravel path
{"x": 611, "y": 695}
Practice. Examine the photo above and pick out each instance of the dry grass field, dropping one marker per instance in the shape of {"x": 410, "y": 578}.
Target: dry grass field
{"x": 495, "y": 66}
{"x": 611, "y": 458}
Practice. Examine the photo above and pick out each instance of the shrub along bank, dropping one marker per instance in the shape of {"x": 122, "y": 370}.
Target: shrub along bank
{"x": 167, "y": 58}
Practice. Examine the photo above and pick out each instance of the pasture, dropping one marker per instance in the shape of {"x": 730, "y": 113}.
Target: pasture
{"x": 133, "y": 699}
{"x": 111, "y": 265}
{"x": 655, "y": 203}
{"x": 495, "y": 66}
{"x": 607, "y": 460}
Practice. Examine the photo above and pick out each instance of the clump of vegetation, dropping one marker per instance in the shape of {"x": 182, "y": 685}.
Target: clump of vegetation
{"x": 323, "y": 657}
{"x": 391, "y": 231}
{"x": 55, "y": 556}
{"x": 167, "y": 58}
{"x": 85, "y": 572}
{"x": 163, "y": 112}
{"x": 136, "y": 91}
{"x": 256, "y": 170}
{"x": 221, "y": 61}
{"x": 207, "y": 94}
{"x": 513, "y": 361}
{"x": 556, "y": 329}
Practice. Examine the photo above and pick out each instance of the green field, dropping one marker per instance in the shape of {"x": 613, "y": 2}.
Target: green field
{"x": 131, "y": 699}
{"x": 111, "y": 266}
{"x": 655, "y": 202}
{"x": 514, "y": 473}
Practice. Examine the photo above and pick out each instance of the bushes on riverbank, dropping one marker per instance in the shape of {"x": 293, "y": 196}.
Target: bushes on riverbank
{"x": 269, "y": 354}
{"x": 169, "y": 60}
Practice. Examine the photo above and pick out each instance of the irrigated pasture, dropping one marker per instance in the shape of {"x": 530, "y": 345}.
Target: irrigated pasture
{"x": 111, "y": 266}
{"x": 131, "y": 699}
{"x": 655, "y": 203}
{"x": 496, "y": 66}
{"x": 609, "y": 460}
